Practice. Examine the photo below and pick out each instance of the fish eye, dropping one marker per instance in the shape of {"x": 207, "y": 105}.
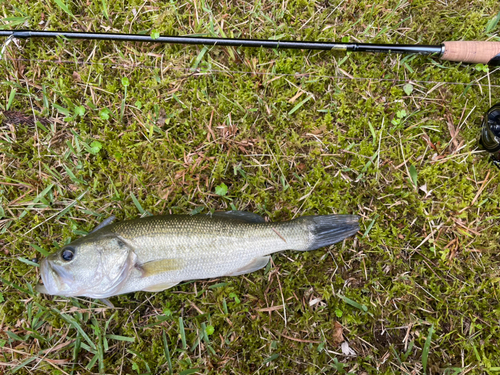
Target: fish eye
{"x": 68, "y": 254}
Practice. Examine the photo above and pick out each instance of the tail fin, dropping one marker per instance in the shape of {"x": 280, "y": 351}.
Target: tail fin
{"x": 329, "y": 229}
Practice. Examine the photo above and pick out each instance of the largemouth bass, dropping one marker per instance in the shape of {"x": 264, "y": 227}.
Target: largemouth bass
{"x": 155, "y": 253}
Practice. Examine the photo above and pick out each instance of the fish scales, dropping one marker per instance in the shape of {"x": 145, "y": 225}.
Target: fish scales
{"x": 212, "y": 247}
{"x": 208, "y": 237}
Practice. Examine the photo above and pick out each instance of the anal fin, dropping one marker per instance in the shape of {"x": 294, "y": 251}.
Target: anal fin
{"x": 159, "y": 287}
{"x": 254, "y": 265}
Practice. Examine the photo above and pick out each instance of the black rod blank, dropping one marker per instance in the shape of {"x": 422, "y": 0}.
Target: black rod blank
{"x": 233, "y": 42}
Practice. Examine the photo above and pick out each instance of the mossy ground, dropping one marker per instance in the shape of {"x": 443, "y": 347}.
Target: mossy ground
{"x": 134, "y": 129}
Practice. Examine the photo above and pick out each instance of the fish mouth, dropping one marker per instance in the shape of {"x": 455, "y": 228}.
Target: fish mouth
{"x": 54, "y": 279}
{"x": 48, "y": 279}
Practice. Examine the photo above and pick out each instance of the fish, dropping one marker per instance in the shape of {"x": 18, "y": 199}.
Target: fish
{"x": 155, "y": 253}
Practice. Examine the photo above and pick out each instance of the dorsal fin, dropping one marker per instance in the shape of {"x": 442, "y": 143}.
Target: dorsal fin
{"x": 105, "y": 222}
{"x": 245, "y": 216}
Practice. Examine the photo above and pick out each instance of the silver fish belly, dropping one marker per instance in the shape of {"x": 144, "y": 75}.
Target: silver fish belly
{"x": 158, "y": 252}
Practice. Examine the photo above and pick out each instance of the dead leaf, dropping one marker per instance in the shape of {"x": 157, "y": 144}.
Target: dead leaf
{"x": 454, "y": 131}
{"x": 162, "y": 118}
{"x": 429, "y": 142}
{"x": 337, "y": 333}
{"x": 269, "y": 309}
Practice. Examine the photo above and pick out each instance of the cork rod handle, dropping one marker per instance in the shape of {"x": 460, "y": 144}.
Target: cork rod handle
{"x": 472, "y": 52}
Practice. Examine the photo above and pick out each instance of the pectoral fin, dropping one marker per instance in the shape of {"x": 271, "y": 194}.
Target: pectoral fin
{"x": 254, "y": 265}
{"x": 159, "y": 266}
{"x": 159, "y": 287}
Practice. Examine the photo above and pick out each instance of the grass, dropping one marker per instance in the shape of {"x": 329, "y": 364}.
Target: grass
{"x": 131, "y": 129}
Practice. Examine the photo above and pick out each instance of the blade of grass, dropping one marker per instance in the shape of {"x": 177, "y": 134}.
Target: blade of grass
{"x": 141, "y": 358}
{"x": 183, "y": 333}
{"x": 197, "y": 342}
{"x": 77, "y": 326}
{"x": 41, "y": 126}
{"x": 92, "y": 362}
{"x": 137, "y": 204}
{"x": 199, "y": 58}
{"x": 218, "y": 285}
{"x": 7, "y": 282}
{"x": 23, "y": 364}
{"x": 125, "y": 82}
{"x": 28, "y": 262}
{"x": 15, "y": 337}
{"x": 69, "y": 206}
{"x": 426, "y": 348}
{"x": 271, "y": 358}
{"x": 167, "y": 353}
{"x": 413, "y": 175}
{"x": 72, "y": 176}
{"x": 100, "y": 348}
{"x": 36, "y": 200}
{"x": 87, "y": 348}
{"x": 224, "y": 306}
{"x": 62, "y": 110}
{"x": 370, "y": 226}
{"x": 12, "y": 95}
{"x": 296, "y": 108}
{"x": 120, "y": 338}
{"x": 105, "y": 9}
{"x": 65, "y": 8}
{"x": 12, "y": 21}
{"x": 353, "y": 303}
{"x": 493, "y": 23}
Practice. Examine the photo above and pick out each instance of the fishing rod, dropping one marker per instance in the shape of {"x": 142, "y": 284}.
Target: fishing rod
{"x": 460, "y": 51}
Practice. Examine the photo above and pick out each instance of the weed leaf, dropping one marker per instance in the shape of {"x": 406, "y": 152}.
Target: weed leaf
{"x": 221, "y": 189}
{"x": 155, "y": 34}
{"x": 408, "y": 88}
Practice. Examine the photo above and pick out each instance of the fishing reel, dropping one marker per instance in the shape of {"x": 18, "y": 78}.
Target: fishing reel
{"x": 490, "y": 133}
